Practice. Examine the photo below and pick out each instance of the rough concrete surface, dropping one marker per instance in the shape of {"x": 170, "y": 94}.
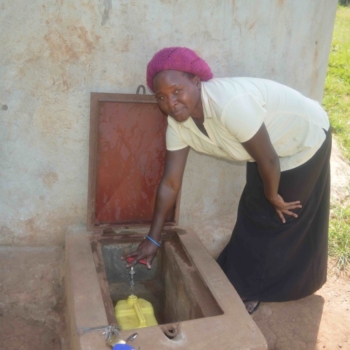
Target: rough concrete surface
{"x": 53, "y": 54}
{"x": 83, "y": 289}
{"x": 31, "y": 299}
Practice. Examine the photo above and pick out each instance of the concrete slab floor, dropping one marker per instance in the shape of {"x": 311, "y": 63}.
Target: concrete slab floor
{"x": 31, "y": 299}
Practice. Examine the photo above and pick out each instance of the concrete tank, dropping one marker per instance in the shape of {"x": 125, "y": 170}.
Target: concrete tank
{"x": 53, "y": 54}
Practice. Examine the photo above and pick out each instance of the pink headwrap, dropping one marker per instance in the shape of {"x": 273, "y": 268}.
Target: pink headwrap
{"x": 177, "y": 58}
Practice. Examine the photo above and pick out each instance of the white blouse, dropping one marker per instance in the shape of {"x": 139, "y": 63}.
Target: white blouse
{"x": 234, "y": 110}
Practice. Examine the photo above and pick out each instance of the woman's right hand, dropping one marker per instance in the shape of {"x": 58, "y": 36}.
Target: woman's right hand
{"x": 146, "y": 250}
{"x": 168, "y": 189}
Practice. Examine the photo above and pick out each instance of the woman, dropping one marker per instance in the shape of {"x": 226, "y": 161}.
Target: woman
{"x": 278, "y": 248}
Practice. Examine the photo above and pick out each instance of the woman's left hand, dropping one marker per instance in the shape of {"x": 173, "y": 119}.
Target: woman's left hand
{"x": 261, "y": 150}
{"x": 283, "y": 208}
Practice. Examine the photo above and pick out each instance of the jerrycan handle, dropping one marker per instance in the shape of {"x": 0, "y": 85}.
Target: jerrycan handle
{"x": 140, "y": 315}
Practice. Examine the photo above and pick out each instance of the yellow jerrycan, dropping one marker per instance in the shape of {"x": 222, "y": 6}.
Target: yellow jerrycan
{"x": 134, "y": 313}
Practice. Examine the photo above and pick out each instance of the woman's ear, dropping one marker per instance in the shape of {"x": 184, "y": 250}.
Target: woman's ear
{"x": 197, "y": 81}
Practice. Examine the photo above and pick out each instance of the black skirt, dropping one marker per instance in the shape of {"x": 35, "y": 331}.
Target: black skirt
{"x": 267, "y": 260}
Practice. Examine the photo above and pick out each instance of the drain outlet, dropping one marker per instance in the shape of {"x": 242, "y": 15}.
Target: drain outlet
{"x": 171, "y": 331}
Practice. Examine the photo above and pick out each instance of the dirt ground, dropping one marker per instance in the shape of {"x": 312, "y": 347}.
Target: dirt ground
{"x": 320, "y": 321}
{"x": 32, "y": 299}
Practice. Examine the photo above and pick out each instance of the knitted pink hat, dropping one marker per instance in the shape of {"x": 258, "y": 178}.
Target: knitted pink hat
{"x": 177, "y": 58}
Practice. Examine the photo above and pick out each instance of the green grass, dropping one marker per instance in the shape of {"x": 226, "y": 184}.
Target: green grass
{"x": 337, "y": 103}
{"x": 339, "y": 237}
{"x": 337, "y": 88}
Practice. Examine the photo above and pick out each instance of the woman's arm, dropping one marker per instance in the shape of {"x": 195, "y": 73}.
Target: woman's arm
{"x": 168, "y": 189}
{"x": 262, "y": 151}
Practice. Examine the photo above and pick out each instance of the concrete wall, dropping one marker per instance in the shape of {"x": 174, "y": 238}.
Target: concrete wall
{"x": 54, "y": 53}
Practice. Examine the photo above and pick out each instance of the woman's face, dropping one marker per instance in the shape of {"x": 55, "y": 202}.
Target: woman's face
{"x": 178, "y": 94}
